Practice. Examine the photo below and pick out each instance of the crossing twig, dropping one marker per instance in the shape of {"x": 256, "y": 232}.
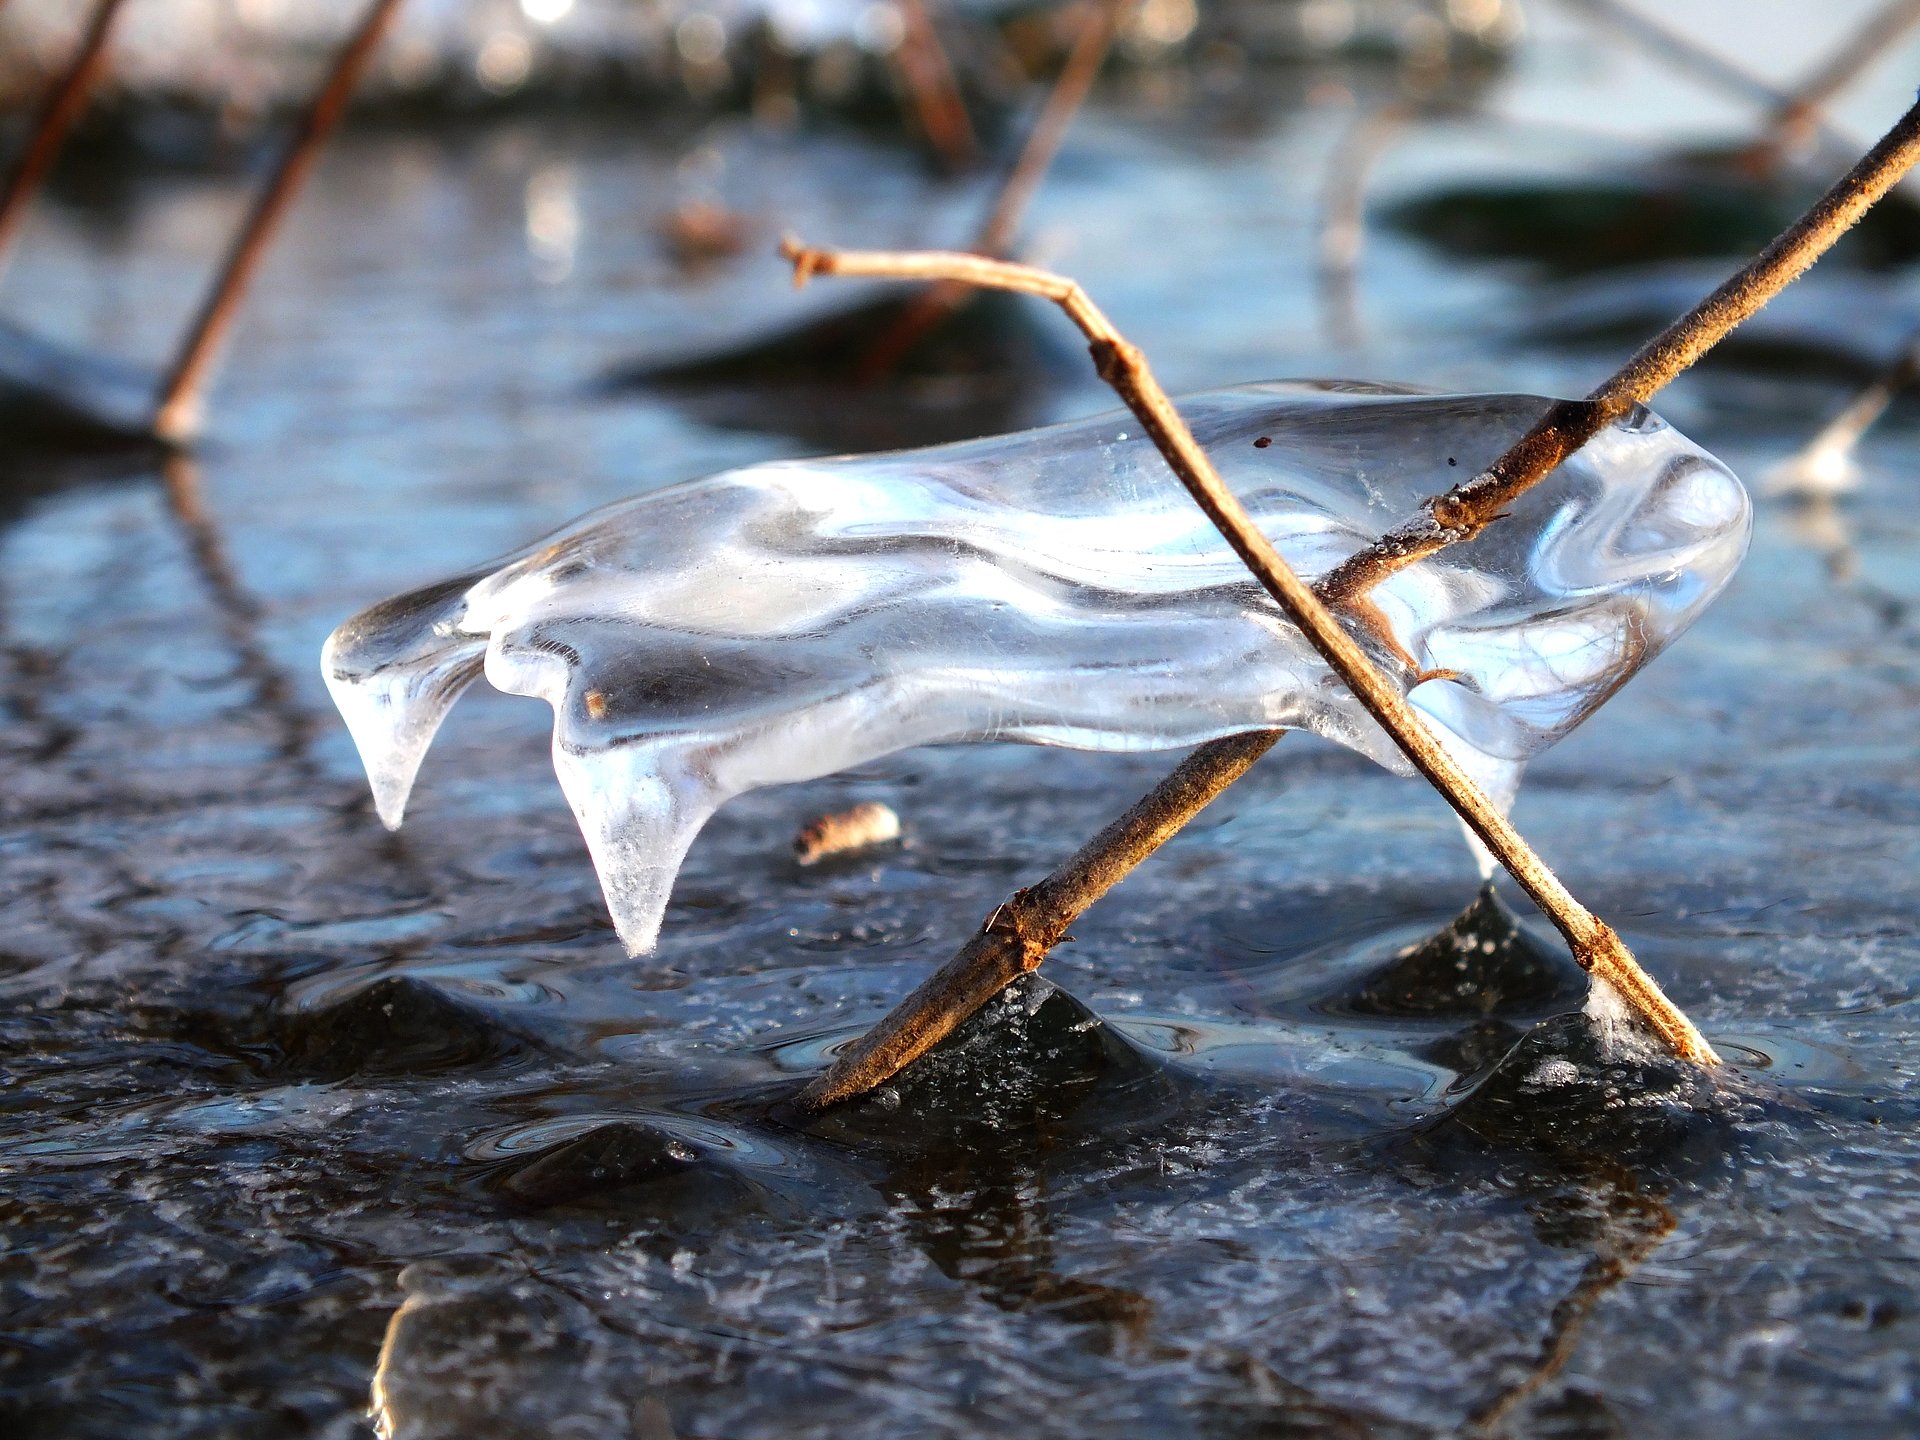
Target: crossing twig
{"x": 1122, "y": 366}
{"x": 1470, "y": 507}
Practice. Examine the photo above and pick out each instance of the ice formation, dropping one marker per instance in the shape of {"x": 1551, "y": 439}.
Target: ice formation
{"x": 791, "y": 619}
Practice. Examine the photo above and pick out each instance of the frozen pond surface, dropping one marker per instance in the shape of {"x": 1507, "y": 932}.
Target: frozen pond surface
{"x": 309, "y": 1128}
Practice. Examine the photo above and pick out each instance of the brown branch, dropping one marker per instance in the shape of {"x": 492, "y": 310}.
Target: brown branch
{"x": 62, "y": 107}
{"x": 1098, "y": 26}
{"x": 1019, "y": 933}
{"x": 925, "y": 74}
{"x": 177, "y": 410}
{"x": 1091, "y": 41}
{"x": 1794, "y": 122}
{"x": 1591, "y": 941}
{"x": 1470, "y": 507}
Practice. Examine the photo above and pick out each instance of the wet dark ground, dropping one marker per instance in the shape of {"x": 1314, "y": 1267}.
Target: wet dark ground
{"x": 313, "y": 1130}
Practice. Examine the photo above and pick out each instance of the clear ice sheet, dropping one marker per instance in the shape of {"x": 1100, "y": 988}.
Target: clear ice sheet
{"x": 788, "y": 620}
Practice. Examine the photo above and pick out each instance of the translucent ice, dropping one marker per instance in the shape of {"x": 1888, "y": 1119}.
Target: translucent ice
{"x": 791, "y": 619}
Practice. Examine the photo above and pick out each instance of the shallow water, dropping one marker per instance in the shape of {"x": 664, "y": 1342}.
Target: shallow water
{"x": 309, "y": 1128}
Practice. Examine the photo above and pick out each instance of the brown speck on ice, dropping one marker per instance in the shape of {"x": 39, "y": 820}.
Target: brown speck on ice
{"x": 869, "y": 823}
{"x": 596, "y": 704}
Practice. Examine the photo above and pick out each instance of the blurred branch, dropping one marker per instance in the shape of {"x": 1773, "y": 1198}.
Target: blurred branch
{"x": 1795, "y": 121}
{"x": 1343, "y": 213}
{"x": 1470, "y": 507}
{"x": 1793, "y": 116}
{"x": 1678, "y": 48}
{"x": 925, "y": 75}
{"x": 1099, "y": 22}
{"x": 63, "y": 105}
{"x": 177, "y": 411}
{"x": 1824, "y": 465}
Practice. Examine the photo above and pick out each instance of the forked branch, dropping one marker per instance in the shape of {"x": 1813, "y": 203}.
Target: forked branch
{"x": 1122, "y": 366}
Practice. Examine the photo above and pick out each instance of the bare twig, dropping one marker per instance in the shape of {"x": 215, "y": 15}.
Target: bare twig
{"x": 1794, "y": 117}
{"x": 1679, "y": 48}
{"x": 1093, "y": 38}
{"x": 62, "y": 107}
{"x": 177, "y": 410}
{"x": 1098, "y": 26}
{"x": 1018, "y": 934}
{"x": 925, "y": 74}
{"x": 1592, "y": 942}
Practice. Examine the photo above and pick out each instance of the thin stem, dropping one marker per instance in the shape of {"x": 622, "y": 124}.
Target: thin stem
{"x": 1098, "y": 26}
{"x": 1123, "y": 367}
{"x": 1343, "y": 214}
{"x": 1091, "y": 41}
{"x": 1470, "y": 507}
{"x": 1794, "y": 117}
{"x": 62, "y": 107}
{"x": 1019, "y": 932}
{"x": 1677, "y": 47}
{"x": 926, "y": 75}
{"x": 1824, "y": 464}
{"x": 1793, "y": 122}
{"x": 177, "y": 410}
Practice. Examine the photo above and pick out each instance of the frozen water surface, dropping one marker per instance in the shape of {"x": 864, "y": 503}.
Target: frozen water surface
{"x": 308, "y": 1127}
{"x": 793, "y": 619}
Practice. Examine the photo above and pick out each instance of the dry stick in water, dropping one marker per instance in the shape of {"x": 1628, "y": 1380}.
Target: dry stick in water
{"x": 1794, "y": 116}
{"x": 1795, "y": 122}
{"x": 926, "y": 74}
{"x": 1123, "y": 367}
{"x": 1017, "y": 936}
{"x": 1824, "y": 463}
{"x": 177, "y": 410}
{"x": 1097, "y": 28}
{"x": 62, "y": 107}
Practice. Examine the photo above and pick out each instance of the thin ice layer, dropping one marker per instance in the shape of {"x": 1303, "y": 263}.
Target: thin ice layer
{"x": 788, "y": 620}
